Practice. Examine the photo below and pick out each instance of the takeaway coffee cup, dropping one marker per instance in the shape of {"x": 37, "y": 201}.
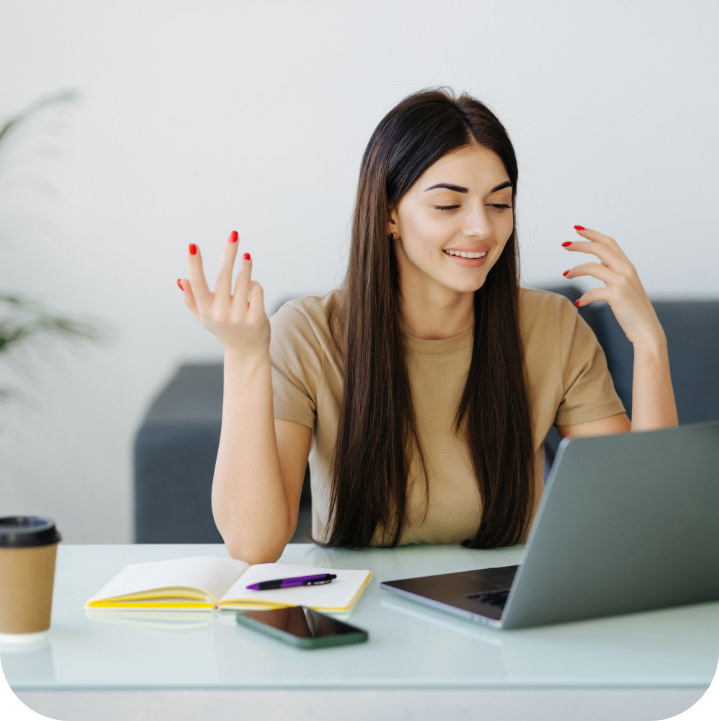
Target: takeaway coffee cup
{"x": 28, "y": 546}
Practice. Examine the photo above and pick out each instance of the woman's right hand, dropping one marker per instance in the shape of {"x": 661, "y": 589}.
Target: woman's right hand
{"x": 241, "y": 324}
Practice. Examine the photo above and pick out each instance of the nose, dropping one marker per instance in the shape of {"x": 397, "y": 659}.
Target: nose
{"x": 477, "y": 223}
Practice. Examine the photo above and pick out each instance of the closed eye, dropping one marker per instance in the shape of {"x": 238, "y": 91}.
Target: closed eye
{"x": 497, "y": 206}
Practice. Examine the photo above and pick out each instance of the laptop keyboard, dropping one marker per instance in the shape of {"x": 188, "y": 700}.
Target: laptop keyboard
{"x": 491, "y": 598}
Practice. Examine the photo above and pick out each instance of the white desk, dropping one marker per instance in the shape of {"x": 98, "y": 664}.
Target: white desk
{"x": 418, "y": 663}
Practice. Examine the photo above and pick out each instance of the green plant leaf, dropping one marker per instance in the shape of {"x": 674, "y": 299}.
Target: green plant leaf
{"x": 24, "y": 319}
{"x": 15, "y": 121}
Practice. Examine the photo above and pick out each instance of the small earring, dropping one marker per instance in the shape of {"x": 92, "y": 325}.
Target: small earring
{"x": 394, "y": 235}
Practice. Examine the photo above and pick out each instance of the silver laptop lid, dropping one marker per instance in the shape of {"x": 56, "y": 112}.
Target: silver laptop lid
{"x": 628, "y": 523}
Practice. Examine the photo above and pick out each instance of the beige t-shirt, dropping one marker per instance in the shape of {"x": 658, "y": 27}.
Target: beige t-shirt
{"x": 567, "y": 377}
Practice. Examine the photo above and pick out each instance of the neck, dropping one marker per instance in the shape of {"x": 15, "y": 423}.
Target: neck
{"x": 433, "y": 311}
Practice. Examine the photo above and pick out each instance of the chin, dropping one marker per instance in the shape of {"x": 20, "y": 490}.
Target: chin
{"x": 468, "y": 285}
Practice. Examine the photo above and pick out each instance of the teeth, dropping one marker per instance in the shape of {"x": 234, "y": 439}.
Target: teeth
{"x": 465, "y": 254}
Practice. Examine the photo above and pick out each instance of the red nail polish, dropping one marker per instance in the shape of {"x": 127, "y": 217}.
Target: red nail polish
{"x": 564, "y": 245}
{"x": 246, "y": 256}
{"x": 577, "y": 304}
{"x": 193, "y": 249}
{"x": 179, "y": 282}
{"x": 233, "y": 236}
{"x": 565, "y": 272}
{"x": 579, "y": 227}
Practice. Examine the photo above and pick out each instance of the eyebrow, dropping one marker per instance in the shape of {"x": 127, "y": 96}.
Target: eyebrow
{"x": 460, "y": 189}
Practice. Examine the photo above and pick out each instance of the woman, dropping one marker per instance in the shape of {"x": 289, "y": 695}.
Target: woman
{"x": 425, "y": 386}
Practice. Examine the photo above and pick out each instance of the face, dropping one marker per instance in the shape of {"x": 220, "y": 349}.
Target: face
{"x": 454, "y": 221}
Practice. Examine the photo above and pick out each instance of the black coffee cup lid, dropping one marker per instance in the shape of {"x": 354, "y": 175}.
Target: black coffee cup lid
{"x": 27, "y": 532}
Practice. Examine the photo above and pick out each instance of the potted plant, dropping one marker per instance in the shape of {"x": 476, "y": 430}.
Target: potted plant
{"x": 21, "y": 318}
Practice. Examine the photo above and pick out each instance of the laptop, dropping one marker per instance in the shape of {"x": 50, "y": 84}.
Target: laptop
{"x": 627, "y": 523}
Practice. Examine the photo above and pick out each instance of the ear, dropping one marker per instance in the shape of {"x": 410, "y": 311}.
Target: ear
{"x": 393, "y": 222}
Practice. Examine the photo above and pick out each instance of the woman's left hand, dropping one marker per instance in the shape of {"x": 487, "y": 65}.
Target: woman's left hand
{"x": 624, "y": 291}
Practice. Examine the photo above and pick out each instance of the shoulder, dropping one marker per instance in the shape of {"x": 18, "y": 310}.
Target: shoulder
{"x": 533, "y": 302}
{"x": 315, "y": 308}
{"x": 541, "y": 309}
{"x": 551, "y": 327}
{"x": 307, "y": 321}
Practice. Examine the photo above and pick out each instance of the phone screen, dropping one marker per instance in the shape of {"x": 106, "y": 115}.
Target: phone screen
{"x": 301, "y": 622}
{"x": 302, "y": 627}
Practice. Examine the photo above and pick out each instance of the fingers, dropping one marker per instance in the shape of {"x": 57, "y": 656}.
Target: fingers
{"x": 223, "y": 286}
{"x": 256, "y": 306}
{"x": 605, "y": 248}
{"x": 597, "y": 237}
{"x": 611, "y": 258}
{"x": 595, "y": 270}
{"x": 205, "y": 304}
{"x": 607, "y": 255}
{"x": 189, "y": 297}
{"x": 242, "y": 284}
{"x": 594, "y": 295}
{"x": 202, "y": 294}
{"x": 594, "y": 235}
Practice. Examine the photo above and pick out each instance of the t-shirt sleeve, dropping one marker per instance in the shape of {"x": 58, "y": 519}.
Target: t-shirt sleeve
{"x": 588, "y": 389}
{"x": 296, "y": 356}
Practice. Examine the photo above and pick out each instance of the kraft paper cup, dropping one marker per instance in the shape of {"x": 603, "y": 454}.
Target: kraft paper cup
{"x": 28, "y": 548}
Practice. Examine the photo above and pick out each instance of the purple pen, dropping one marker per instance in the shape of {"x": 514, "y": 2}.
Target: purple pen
{"x": 292, "y": 582}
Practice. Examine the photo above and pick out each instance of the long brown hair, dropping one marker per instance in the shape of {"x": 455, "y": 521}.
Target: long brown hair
{"x": 377, "y": 432}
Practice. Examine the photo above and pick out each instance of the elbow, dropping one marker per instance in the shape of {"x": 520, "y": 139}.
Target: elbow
{"x": 253, "y": 553}
{"x": 252, "y": 543}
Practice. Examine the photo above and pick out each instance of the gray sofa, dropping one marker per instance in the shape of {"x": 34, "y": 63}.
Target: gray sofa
{"x": 176, "y": 445}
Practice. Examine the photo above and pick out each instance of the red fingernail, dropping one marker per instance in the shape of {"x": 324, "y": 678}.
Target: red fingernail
{"x": 577, "y": 304}
{"x": 246, "y": 256}
{"x": 564, "y": 245}
{"x": 565, "y": 272}
{"x": 193, "y": 249}
{"x": 578, "y": 227}
{"x": 179, "y": 282}
{"x": 233, "y": 236}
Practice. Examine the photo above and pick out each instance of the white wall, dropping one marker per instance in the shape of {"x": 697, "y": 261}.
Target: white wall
{"x": 199, "y": 118}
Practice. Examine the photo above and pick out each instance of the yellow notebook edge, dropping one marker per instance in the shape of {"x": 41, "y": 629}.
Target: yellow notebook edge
{"x": 130, "y": 602}
{"x": 189, "y": 592}
{"x": 100, "y": 605}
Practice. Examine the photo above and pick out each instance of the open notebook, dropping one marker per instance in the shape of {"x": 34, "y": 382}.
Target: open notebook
{"x": 207, "y": 582}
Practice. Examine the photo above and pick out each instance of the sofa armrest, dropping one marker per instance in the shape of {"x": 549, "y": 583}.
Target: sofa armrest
{"x": 692, "y": 331}
{"x": 175, "y": 454}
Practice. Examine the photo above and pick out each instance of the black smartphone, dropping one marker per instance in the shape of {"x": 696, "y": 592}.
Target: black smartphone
{"x": 302, "y": 627}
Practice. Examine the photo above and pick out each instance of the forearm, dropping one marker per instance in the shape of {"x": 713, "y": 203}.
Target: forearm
{"x": 249, "y": 500}
{"x": 653, "y": 404}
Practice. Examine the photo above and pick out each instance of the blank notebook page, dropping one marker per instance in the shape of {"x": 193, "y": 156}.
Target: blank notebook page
{"x": 208, "y": 573}
{"x": 338, "y": 594}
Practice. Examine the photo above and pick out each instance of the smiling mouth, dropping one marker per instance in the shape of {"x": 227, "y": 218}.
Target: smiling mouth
{"x": 464, "y": 254}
